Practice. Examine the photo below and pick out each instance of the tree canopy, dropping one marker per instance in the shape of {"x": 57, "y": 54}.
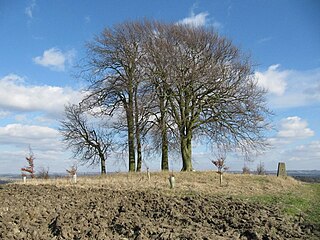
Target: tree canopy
{"x": 178, "y": 81}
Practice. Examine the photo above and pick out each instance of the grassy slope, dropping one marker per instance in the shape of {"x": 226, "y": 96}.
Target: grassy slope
{"x": 294, "y": 197}
{"x": 302, "y": 201}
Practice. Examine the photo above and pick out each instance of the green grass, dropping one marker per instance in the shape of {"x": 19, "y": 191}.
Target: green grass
{"x": 314, "y": 208}
{"x": 304, "y": 201}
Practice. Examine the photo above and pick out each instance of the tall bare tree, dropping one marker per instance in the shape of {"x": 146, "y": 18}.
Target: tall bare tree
{"x": 156, "y": 66}
{"x": 210, "y": 88}
{"x": 91, "y": 143}
{"x": 114, "y": 73}
{"x": 143, "y": 102}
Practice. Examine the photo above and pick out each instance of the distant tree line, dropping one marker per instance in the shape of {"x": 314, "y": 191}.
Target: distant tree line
{"x": 164, "y": 85}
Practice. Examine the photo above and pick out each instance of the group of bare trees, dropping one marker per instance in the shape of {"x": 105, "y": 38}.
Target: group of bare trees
{"x": 165, "y": 84}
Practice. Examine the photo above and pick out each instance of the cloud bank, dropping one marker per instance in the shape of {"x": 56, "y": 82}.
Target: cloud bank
{"x": 290, "y": 88}
{"x": 19, "y": 134}
{"x": 15, "y": 95}
{"x": 29, "y": 117}
{"x": 294, "y": 128}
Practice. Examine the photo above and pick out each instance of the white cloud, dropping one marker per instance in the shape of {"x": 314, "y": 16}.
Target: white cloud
{"x": 293, "y": 144}
{"x": 199, "y": 20}
{"x": 15, "y": 95}
{"x": 312, "y": 147}
{"x": 20, "y": 136}
{"x": 290, "y": 88}
{"x": 18, "y": 133}
{"x": 10, "y": 78}
{"x": 195, "y": 20}
{"x": 273, "y": 80}
{"x": 55, "y": 59}
{"x": 305, "y": 154}
{"x": 302, "y": 157}
{"x": 294, "y": 128}
{"x": 312, "y": 92}
{"x": 29, "y": 9}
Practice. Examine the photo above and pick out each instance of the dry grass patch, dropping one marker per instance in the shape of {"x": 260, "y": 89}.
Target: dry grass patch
{"x": 201, "y": 182}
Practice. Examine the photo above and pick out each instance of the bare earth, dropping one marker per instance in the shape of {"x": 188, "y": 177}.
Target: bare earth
{"x": 97, "y": 211}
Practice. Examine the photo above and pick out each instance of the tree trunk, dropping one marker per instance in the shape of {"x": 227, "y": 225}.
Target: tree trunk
{"x": 130, "y": 122}
{"x": 164, "y": 137}
{"x": 137, "y": 126}
{"x": 132, "y": 161}
{"x": 102, "y": 160}
{"x": 186, "y": 151}
{"x": 164, "y": 152}
{"x": 103, "y": 166}
{"x": 139, "y": 152}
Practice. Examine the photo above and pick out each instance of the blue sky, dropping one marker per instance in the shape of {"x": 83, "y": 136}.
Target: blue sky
{"x": 41, "y": 41}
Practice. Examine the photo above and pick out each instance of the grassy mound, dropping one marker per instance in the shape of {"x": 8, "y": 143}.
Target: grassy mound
{"x": 293, "y": 197}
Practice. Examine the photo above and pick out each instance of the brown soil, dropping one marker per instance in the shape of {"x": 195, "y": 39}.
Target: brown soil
{"x": 70, "y": 212}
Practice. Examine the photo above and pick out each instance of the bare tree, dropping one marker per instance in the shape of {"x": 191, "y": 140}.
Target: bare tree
{"x": 43, "y": 173}
{"x": 157, "y": 68}
{"x": 210, "y": 88}
{"x": 114, "y": 74}
{"x": 143, "y": 102}
{"x": 261, "y": 169}
{"x": 90, "y": 142}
